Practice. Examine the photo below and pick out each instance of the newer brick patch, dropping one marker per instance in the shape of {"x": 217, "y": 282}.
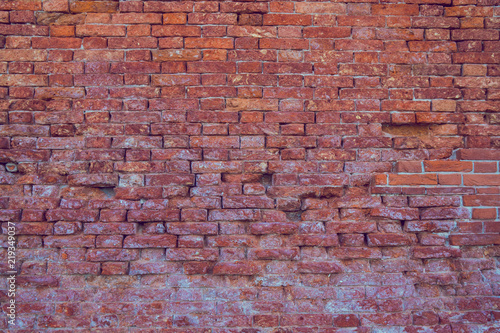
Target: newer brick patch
{"x": 257, "y": 166}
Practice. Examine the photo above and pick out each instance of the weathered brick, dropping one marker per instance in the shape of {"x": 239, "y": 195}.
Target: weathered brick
{"x": 146, "y": 215}
{"x": 192, "y": 254}
{"x": 319, "y": 267}
{"x": 109, "y": 228}
{"x": 149, "y": 241}
{"x": 477, "y": 239}
{"x": 396, "y": 213}
{"x": 93, "y": 6}
{"x": 112, "y": 255}
{"x": 430, "y": 252}
{"x": 100, "y": 30}
{"x": 237, "y": 268}
{"x": 391, "y": 239}
{"x": 445, "y": 213}
{"x": 70, "y": 241}
{"x": 145, "y": 268}
{"x": 287, "y": 19}
{"x": 190, "y": 158}
{"x": 23, "y": 55}
{"x": 423, "y": 179}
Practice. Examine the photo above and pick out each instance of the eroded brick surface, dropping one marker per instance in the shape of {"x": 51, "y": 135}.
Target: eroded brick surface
{"x": 254, "y": 166}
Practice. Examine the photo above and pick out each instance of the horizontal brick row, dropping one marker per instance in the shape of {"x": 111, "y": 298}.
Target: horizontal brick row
{"x": 250, "y": 166}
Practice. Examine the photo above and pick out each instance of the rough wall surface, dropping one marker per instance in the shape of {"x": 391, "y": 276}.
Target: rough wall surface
{"x": 260, "y": 166}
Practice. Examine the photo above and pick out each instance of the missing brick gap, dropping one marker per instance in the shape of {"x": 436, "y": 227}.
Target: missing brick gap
{"x": 108, "y": 191}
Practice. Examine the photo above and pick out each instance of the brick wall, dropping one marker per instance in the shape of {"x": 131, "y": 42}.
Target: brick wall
{"x": 259, "y": 166}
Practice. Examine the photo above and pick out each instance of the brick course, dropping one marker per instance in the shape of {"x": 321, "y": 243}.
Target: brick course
{"x": 255, "y": 166}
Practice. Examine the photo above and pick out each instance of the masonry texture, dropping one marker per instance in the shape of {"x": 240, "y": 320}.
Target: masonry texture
{"x": 253, "y": 167}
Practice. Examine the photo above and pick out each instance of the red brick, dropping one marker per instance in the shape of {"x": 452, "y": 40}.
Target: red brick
{"x": 208, "y": 43}
{"x": 323, "y": 8}
{"x": 417, "y": 179}
{"x": 396, "y": 213}
{"x": 287, "y": 19}
{"x": 361, "y": 21}
{"x": 359, "y": 69}
{"x": 136, "y": 18}
{"x": 173, "y": 55}
{"x": 234, "y": 215}
{"x": 403, "y": 34}
{"x": 391, "y": 239}
{"x": 162, "y": 180}
{"x": 355, "y": 253}
{"x": 132, "y": 42}
{"x": 395, "y": 9}
{"x": 445, "y": 213}
{"x": 56, "y": 43}
{"x": 100, "y": 30}
{"x": 418, "y": 201}
{"x": 168, "y": 7}
{"x": 212, "y": 18}
{"x": 475, "y": 57}
{"x": 33, "y": 228}
{"x": 93, "y": 7}
{"x": 175, "y": 31}
{"x": 430, "y": 252}
{"x": 109, "y": 228}
{"x": 327, "y": 32}
{"x": 70, "y": 241}
{"x": 481, "y": 200}
{"x": 481, "y": 180}
{"x": 237, "y": 268}
{"x": 474, "y": 34}
{"x": 147, "y": 215}
{"x": 114, "y": 268}
{"x": 77, "y": 268}
{"x": 478, "y": 154}
{"x": 447, "y": 166}
{"x": 240, "y": 155}
{"x": 23, "y": 80}
{"x": 55, "y": 6}
{"x": 315, "y": 240}
{"x": 266, "y": 320}
{"x": 409, "y": 166}
{"x": 204, "y": 228}
{"x": 197, "y": 267}
{"x": 112, "y": 255}
{"x": 174, "y": 18}
{"x": 346, "y": 320}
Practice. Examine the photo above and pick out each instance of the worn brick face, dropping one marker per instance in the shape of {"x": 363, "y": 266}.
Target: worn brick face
{"x": 251, "y": 166}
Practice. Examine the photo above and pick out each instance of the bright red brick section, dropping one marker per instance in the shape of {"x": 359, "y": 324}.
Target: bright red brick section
{"x": 254, "y": 166}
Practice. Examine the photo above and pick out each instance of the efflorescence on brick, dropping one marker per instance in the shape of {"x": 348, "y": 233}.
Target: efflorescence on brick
{"x": 257, "y": 166}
